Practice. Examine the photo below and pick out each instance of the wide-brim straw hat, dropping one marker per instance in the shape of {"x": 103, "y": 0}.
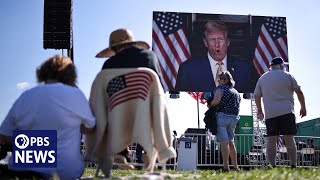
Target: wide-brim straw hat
{"x": 120, "y": 37}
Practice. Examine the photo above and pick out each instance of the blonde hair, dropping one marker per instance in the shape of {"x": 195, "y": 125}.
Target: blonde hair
{"x": 212, "y": 26}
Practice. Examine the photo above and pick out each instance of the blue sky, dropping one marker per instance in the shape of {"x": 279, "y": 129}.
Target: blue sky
{"x": 22, "y": 51}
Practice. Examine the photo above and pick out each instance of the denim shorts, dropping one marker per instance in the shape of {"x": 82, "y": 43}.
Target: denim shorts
{"x": 226, "y": 125}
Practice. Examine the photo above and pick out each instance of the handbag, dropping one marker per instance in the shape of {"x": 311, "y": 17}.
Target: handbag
{"x": 210, "y": 120}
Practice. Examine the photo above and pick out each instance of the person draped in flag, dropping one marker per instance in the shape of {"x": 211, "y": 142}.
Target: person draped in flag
{"x": 200, "y": 74}
{"x": 125, "y": 52}
{"x": 276, "y": 87}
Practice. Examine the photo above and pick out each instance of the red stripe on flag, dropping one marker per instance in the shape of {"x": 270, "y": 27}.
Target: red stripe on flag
{"x": 184, "y": 49}
{"x": 128, "y": 95}
{"x": 270, "y": 45}
{"x": 263, "y": 56}
{"x": 281, "y": 51}
{"x": 164, "y": 53}
{"x": 258, "y": 66}
{"x": 197, "y": 96}
{"x": 173, "y": 50}
{"x": 165, "y": 74}
{"x": 137, "y": 86}
{"x": 170, "y": 44}
{"x": 267, "y": 45}
{"x": 166, "y": 78}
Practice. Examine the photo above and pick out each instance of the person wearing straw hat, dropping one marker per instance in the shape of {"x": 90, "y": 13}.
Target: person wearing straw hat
{"x": 125, "y": 52}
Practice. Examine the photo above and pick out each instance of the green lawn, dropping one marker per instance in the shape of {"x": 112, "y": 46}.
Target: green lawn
{"x": 256, "y": 174}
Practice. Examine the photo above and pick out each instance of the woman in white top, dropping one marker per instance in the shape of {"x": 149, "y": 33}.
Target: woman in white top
{"x": 55, "y": 104}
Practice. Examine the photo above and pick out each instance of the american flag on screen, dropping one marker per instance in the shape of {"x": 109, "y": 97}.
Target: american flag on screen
{"x": 129, "y": 86}
{"x": 170, "y": 44}
{"x": 272, "y": 42}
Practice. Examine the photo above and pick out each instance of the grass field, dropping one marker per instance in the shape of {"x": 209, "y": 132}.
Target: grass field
{"x": 256, "y": 174}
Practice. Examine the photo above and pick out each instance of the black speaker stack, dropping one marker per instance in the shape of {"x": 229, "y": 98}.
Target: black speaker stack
{"x": 57, "y": 24}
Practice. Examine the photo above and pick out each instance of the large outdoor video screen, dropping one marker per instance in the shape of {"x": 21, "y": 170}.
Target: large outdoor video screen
{"x": 189, "y": 45}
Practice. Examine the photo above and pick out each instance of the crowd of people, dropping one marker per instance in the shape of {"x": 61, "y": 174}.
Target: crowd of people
{"x": 58, "y": 104}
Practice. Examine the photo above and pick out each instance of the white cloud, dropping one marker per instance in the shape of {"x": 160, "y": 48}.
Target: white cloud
{"x": 23, "y": 85}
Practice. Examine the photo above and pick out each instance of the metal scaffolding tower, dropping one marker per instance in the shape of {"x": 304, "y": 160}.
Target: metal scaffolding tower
{"x": 258, "y": 131}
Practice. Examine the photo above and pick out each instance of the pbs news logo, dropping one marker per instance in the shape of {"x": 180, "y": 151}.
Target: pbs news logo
{"x": 35, "y": 148}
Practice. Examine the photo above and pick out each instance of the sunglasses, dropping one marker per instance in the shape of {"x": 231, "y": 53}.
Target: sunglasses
{"x": 219, "y": 79}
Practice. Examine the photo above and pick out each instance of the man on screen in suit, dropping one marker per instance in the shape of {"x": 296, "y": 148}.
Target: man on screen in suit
{"x": 201, "y": 74}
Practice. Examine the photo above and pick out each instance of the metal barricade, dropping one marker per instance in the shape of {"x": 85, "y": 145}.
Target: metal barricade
{"x": 251, "y": 152}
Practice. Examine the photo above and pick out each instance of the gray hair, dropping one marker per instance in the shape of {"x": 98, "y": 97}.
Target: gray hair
{"x": 277, "y": 67}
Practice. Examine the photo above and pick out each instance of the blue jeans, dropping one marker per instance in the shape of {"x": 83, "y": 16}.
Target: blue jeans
{"x": 226, "y": 125}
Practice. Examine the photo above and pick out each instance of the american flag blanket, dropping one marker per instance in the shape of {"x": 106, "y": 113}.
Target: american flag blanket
{"x": 129, "y": 106}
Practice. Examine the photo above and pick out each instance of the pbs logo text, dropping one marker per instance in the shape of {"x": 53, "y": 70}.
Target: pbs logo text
{"x": 34, "y": 149}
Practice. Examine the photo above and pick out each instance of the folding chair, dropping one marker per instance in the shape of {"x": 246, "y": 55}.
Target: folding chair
{"x": 307, "y": 156}
{"x": 283, "y": 156}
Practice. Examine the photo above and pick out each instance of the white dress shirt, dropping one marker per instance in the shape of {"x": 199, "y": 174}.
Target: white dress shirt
{"x": 214, "y": 65}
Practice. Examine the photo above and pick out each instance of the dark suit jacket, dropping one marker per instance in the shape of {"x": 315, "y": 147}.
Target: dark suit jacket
{"x": 134, "y": 57}
{"x": 196, "y": 75}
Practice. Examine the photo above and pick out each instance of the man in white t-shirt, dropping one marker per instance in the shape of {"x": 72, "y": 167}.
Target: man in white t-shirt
{"x": 276, "y": 87}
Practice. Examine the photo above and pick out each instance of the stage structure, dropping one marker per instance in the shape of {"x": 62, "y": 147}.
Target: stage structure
{"x": 57, "y": 25}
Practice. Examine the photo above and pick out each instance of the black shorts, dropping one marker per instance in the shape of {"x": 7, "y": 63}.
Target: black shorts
{"x": 282, "y": 125}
